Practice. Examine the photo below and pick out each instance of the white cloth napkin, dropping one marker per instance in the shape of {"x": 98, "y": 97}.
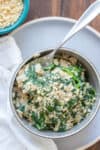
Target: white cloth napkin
{"x": 12, "y": 135}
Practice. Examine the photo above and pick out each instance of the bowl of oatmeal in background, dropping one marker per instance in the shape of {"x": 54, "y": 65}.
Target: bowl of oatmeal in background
{"x": 12, "y": 14}
{"x": 92, "y": 77}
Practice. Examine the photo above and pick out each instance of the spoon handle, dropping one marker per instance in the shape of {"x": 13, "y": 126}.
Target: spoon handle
{"x": 87, "y": 17}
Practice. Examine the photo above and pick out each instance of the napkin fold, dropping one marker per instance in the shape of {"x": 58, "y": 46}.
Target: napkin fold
{"x": 11, "y": 134}
{"x": 10, "y": 54}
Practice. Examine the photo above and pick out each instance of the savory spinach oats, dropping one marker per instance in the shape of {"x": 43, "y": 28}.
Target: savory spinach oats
{"x": 55, "y": 97}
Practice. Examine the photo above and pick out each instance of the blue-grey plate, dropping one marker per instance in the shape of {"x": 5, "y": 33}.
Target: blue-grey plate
{"x": 46, "y": 33}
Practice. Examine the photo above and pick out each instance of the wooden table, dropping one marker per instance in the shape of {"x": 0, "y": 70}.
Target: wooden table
{"x": 65, "y": 8}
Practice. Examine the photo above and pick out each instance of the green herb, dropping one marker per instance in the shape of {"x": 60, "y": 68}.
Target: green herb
{"x": 21, "y": 108}
{"x": 71, "y": 71}
{"x": 72, "y": 102}
{"x": 62, "y": 127}
{"x": 50, "y": 108}
{"x": 50, "y": 67}
{"x": 30, "y": 73}
{"x": 39, "y": 120}
{"x": 67, "y": 70}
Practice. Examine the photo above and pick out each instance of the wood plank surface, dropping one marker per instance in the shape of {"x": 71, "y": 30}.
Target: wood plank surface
{"x": 66, "y": 8}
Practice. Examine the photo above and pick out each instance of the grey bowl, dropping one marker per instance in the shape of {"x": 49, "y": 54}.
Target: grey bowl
{"x": 94, "y": 79}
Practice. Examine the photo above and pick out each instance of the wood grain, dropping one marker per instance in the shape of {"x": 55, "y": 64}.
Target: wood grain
{"x": 55, "y": 7}
{"x": 66, "y": 8}
{"x": 75, "y": 8}
{"x": 95, "y": 146}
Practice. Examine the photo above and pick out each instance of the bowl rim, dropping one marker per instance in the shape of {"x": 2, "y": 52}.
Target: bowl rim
{"x": 20, "y": 20}
{"x": 14, "y": 110}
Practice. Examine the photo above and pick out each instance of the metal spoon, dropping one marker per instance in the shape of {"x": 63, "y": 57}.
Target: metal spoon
{"x": 86, "y": 18}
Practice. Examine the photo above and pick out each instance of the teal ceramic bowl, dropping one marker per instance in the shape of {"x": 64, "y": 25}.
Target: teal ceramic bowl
{"x": 20, "y": 20}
